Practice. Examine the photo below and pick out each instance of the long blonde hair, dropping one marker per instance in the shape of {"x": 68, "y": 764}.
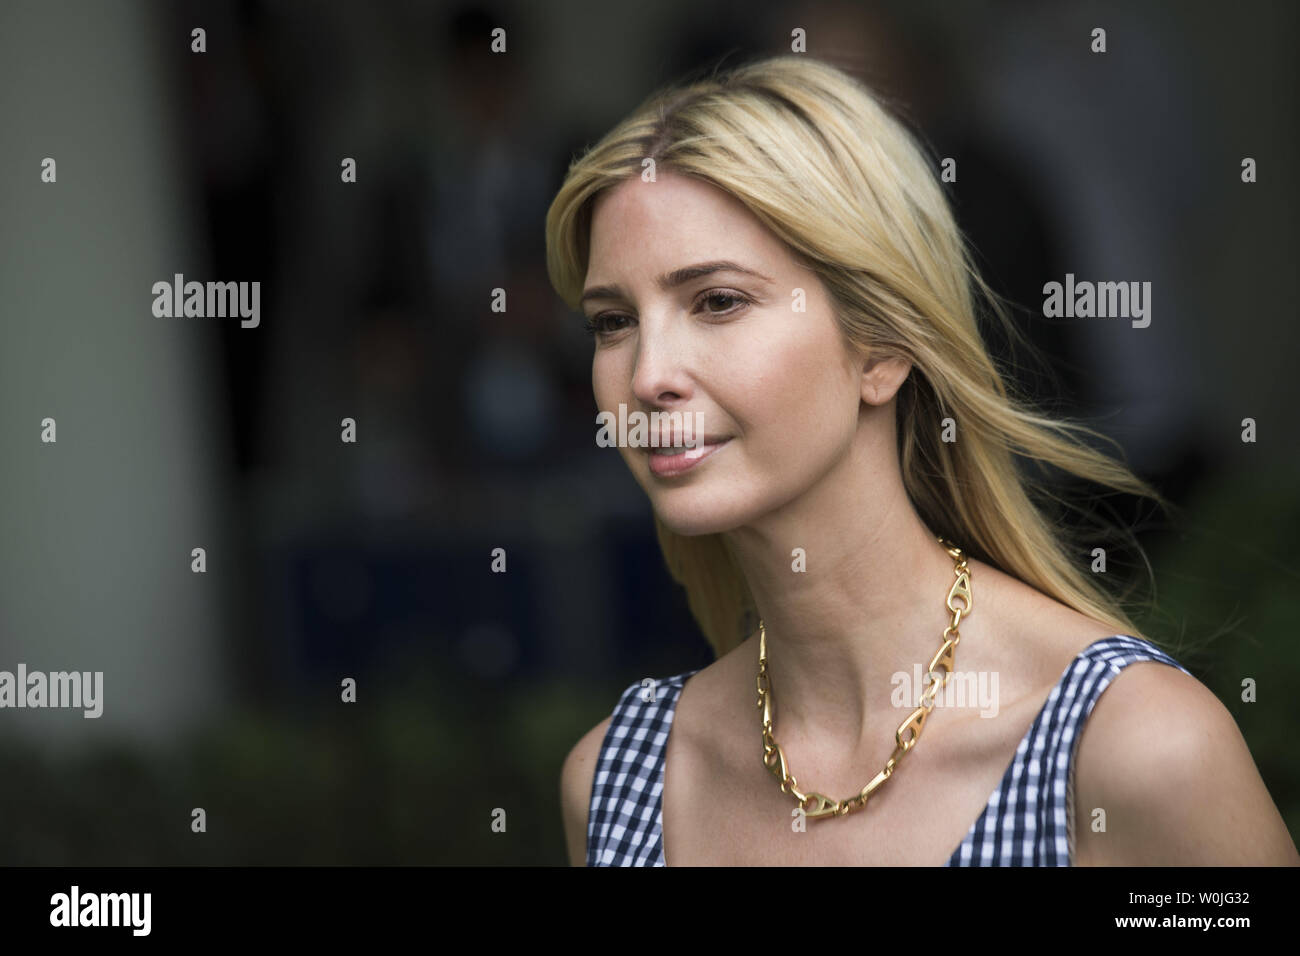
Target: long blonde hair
{"x": 818, "y": 158}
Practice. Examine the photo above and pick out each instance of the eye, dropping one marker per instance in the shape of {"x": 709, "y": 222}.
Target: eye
{"x": 726, "y": 297}
{"x": 596, "y": 325}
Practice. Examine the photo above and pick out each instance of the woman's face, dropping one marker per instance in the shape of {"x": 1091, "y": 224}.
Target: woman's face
{"x": 776, "y": 390}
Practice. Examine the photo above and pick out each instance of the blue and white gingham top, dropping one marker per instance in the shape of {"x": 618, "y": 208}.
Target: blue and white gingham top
{"x": 1027, "y": 821}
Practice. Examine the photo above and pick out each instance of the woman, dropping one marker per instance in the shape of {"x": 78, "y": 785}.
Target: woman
{"x": 769, "y": 253}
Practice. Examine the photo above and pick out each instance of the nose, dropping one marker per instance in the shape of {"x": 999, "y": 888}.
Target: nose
{"x": 661, "y": 376}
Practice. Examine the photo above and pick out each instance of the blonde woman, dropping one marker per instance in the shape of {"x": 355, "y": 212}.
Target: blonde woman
{"x": 769, "y": 254}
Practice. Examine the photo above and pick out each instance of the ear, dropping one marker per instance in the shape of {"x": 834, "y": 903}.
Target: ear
{"x": 882, "y": 377}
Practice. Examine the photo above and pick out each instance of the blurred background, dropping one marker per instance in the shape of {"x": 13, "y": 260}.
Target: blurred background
{"x": 328, "y": 560}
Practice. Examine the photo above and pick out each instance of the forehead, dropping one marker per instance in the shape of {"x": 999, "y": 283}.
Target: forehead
{"x": 675, "y": 218}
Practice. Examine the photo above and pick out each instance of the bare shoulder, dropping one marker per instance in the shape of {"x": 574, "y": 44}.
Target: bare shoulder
{"x": 1164, "y": 762}
{"x": 1162, "y": 774}
{"x": 576, "y": 779}
{"x": 1031, "y": 637}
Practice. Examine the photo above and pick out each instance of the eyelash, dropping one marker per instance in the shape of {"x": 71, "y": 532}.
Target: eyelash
{"x": 592, "y": 325}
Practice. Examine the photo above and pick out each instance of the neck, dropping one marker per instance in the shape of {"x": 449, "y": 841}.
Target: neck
{"x": 870, "y": 604}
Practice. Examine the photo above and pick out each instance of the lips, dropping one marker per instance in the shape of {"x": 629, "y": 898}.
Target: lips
{"x": 671, "y": 465}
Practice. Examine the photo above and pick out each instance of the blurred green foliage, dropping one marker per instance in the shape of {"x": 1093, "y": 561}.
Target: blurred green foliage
{"x": 1225, "y": 583}
{"x": 410, "y": 774}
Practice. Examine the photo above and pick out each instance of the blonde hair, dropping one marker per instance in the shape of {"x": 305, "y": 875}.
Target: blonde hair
{"x": 820, "y": 161}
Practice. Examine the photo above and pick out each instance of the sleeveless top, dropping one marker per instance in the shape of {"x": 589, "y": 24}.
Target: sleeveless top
{"x": 1028, "y": 820}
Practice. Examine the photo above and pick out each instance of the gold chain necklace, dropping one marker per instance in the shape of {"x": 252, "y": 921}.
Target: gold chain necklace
{"x": 774, "y": 757}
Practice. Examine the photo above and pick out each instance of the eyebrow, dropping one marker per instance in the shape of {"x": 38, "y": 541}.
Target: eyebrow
{"x": 670, "y": 280}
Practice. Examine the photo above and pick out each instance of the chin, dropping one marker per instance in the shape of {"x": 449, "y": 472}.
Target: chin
{"x": 700, "y": 516}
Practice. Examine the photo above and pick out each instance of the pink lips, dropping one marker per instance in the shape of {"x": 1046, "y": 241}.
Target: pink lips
{"x": 669, "y": 466}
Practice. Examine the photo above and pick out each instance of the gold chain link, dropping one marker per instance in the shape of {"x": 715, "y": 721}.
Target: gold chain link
{"x": 945, "y": 658}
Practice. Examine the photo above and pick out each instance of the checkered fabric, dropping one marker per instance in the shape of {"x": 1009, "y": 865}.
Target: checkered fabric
{"x": 1025, "y": 823}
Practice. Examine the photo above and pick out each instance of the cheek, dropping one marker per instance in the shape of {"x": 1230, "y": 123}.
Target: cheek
{"x": 797, "y": 392}
{"x": 609, "y": 384}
